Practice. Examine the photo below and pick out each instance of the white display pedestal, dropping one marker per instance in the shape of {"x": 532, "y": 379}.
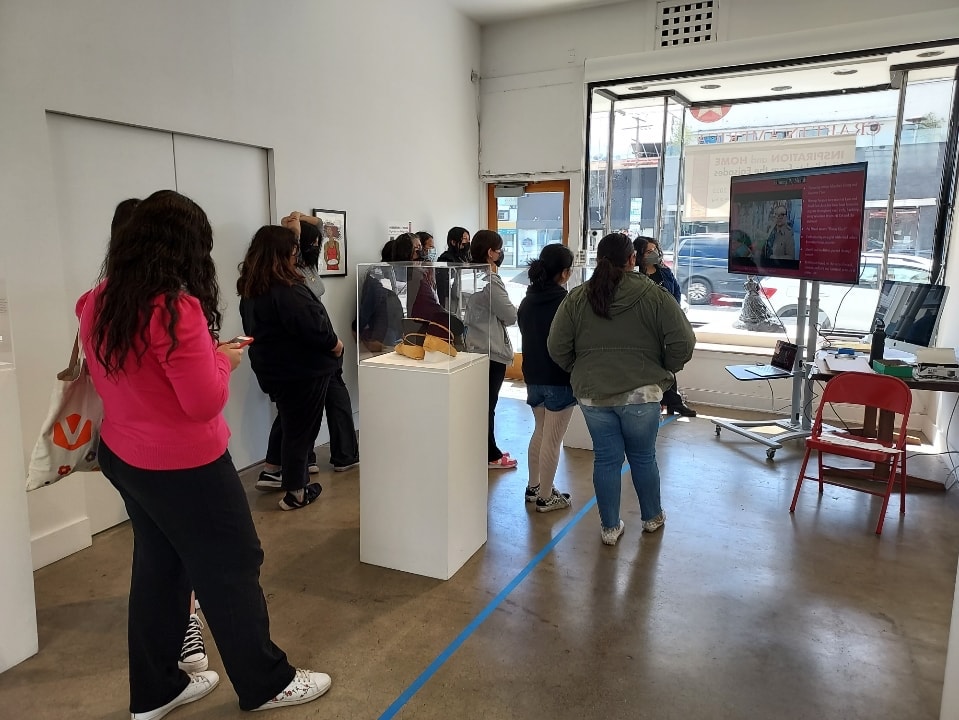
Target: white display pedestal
{"x": 18, "y": 640}
{"x": 423, "y": 469}
{"x": 577, "y": 434}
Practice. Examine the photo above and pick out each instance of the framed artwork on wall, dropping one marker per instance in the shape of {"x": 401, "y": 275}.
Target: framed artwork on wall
{"x": 333, "y": 241}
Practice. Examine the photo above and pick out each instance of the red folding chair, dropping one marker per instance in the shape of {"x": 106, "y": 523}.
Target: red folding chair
{"x": 887, "y": 394}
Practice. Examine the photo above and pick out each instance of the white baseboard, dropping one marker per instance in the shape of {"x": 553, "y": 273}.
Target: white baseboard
{"x": 57, "y": 544}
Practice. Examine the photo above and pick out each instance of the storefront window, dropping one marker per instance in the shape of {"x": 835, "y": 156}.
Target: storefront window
{"x": 671, "y": 166}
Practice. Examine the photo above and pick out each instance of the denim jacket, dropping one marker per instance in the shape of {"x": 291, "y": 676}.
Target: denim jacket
{"x": 491, "y": 302}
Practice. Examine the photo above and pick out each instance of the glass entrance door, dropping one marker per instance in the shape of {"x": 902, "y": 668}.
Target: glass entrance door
{"x": 528, "y": 222}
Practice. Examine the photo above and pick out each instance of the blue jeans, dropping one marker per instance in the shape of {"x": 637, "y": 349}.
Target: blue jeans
{"x": 630, "y": 431}
{"x": 554, "y": 397}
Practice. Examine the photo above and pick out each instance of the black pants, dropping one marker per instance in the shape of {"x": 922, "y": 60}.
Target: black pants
{"x": 344, "y": 448}
{"x": 497, "y": 373}
{"x": 193, "y": 529}
{"x": 671, "y": 396}
{"x": 299, "y": 414}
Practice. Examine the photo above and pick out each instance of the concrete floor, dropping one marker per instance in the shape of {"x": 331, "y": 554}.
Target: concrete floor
{"x": 735, "y": 610}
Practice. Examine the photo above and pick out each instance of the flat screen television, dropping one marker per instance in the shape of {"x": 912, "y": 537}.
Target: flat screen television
{"x": 805, "y": 224}
{"x": 910, "y": 312}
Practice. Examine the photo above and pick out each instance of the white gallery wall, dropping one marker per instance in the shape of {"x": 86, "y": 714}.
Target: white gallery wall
{"x": 363, "y": 105}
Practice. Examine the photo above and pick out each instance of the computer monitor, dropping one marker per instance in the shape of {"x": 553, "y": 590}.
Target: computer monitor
{"x": 910, "y": 312}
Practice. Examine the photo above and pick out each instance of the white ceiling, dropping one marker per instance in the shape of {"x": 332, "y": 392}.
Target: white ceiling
{"x": 824, "y": 76}
{"x": 490, "y": 11}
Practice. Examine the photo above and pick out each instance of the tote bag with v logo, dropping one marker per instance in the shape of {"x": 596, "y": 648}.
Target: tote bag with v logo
{"x": 70, "y": 434}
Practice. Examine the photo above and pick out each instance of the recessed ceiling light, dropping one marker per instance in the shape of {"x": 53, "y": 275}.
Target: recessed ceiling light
{"x": 710, "y": 87}
{"x": 931, "y": 53}
{"x": 637, "y": 88}
{"x": 847, "y": 71}
{"x": 780, "y": 88}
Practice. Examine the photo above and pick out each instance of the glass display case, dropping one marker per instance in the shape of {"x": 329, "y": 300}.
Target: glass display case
{"x": 420, "y": 316}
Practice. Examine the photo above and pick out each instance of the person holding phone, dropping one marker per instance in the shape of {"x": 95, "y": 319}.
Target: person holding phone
{"x": 294, "y": 357}
{"x": 149, "y": 333}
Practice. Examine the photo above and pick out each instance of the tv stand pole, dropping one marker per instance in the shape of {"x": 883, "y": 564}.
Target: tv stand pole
{"x": 799, "y": 422}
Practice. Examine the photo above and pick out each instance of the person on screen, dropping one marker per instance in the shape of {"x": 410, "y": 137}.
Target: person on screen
{"x": 781, "y": 243}
{"x": 741, "y": 248}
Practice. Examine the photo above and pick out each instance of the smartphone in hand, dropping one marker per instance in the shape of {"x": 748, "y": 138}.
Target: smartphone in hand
{"x": 241, "y": 340}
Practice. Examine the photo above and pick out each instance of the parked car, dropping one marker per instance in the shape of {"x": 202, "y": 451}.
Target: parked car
{"x": 516, "y": 289}
{"x": 700, "y": 267}
{"x": 849, "y": 307}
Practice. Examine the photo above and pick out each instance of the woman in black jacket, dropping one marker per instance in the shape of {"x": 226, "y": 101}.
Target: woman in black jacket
{"x": 294, "y": 354}
{"x": 548, "y": 390}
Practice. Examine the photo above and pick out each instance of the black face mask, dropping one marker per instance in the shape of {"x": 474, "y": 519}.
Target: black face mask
{"x": 310, "y": 256}
{"x": 499, "y": 260}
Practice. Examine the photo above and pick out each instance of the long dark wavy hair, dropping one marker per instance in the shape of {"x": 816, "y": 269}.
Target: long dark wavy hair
{"x": 612, "y": 256}
{"x": 553, "y": 259}
{"x": 161, "y": 251}
{"x": 270, "y": 260}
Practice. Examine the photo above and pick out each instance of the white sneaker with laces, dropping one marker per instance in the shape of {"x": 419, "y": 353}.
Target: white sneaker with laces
{"x": 201, "y": 684}
{"x": 306, "y": 686}
{"x": 193, "y": 656}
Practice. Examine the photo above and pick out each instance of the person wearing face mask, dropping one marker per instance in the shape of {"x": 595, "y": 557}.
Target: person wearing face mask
{"x": 421, "y": 299}
{"x": 344, "y": 447}
{"x": 488, "y": 313}
{"x": 428, "y": 252}
{"x": 457, "y": 253}
{"x": 650, "y": 262}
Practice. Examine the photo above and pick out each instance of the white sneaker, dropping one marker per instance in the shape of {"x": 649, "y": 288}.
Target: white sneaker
{"x": 611, "y": 535}
{"x": 201, "y": 683}
{"x": 657, "y": 522}
{"x": 306, "y": 686}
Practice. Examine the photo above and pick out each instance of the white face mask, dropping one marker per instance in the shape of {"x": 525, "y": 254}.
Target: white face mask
{"x": 430, "y": 255}
{"x": 653, "y": 257}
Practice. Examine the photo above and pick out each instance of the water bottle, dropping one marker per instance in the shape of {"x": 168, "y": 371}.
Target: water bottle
{"x": 878, "y": 347}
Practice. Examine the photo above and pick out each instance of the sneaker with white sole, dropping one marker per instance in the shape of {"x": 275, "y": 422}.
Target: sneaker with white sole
{"x": 270, "y": 481}
{"x": 504, "y": 463}
{"x": 313, "y": 468}
{"x": 348, "y": 466}
{"x": 532, "y": 493}
{"x": 193, "y": 656}
{"x": 310, "y": 493}
{"x": 657, "y": 522}
{"x": 611, "y": 535}
{"x": 201, "y": 684}
{"x": 556, "y": 501}
{"x": 306, "y": 686}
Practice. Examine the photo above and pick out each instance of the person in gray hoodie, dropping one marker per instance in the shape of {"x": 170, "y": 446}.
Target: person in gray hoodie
{"x": 488, "y": 313}
{"x": 622, "y": 340}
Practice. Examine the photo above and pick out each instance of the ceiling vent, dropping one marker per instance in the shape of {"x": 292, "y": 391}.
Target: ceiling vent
{"x": 685, "y": 23}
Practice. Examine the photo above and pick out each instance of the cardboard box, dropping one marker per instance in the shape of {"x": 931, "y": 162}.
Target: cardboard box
{"x": 897, "y": 368}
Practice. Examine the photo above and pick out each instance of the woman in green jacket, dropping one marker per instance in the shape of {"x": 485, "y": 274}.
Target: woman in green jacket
{"x": 622, "y": 340}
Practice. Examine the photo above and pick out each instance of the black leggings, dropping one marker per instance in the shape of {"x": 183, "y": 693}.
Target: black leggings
{"x": 497, "y": 373}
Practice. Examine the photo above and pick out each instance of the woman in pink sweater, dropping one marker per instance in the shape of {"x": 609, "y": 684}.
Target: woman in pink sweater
{"x": 149, "y": 334}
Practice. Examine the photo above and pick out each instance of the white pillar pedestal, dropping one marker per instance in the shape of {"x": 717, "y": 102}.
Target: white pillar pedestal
{"x": 18, "y": 640}
{"x": 577, "y": 434}
{"x": 423, "y": 468}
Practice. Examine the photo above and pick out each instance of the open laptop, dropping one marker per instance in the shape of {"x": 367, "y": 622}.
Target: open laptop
{"x": 781, "y": 365}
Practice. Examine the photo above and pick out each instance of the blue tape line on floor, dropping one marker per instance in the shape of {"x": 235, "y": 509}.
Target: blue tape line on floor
{"x": 431, "y": 669}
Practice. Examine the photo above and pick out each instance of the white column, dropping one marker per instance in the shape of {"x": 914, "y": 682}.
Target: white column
{"x": 18, "y": 641}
